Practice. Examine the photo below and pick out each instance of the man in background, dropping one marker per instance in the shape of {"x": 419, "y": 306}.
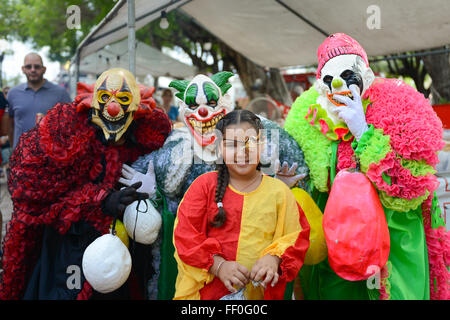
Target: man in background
{"x": 168, "y": 107}
{"x": 34, "y": 97}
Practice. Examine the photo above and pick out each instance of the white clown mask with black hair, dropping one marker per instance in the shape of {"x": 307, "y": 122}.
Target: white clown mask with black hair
{"x": 204, "y": 101}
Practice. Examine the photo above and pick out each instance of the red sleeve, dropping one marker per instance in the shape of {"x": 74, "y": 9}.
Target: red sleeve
{"x": 292, "y": 260}
{"x": 191, "y": 240}
{"x": 151, "y": 131}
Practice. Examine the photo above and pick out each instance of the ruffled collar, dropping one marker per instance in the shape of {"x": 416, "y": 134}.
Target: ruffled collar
{"x": 318, "y": 117}
{"x": 305, "y": 126}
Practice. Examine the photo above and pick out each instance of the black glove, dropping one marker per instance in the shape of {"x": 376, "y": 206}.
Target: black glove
{"x": 115, "y": 203}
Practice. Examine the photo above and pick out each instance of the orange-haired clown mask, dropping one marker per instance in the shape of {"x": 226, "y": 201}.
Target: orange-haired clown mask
{"x": 116, "y": 97}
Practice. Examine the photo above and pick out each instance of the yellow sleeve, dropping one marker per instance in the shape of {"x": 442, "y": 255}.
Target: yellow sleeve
{"x": 288, "y": 227}
{"x": 290, "y": 243}
{"x": 190, "y": 280}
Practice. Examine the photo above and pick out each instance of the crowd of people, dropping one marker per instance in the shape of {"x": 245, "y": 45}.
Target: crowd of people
{"x": 246, "y": 209}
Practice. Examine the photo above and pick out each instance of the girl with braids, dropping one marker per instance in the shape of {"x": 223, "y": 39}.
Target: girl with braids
{"x": 236, "y": 227}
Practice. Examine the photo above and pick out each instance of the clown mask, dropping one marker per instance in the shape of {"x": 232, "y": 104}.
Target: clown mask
{"x": 204, "y": 103}
{"x": 336, "y": 76}
{"x": 116, "y": 97}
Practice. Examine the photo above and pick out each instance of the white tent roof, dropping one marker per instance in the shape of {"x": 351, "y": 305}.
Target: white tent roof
{"x": 114, "y": 26}
{"x": 280, "y": 33}
{"x": 149, "y": 60}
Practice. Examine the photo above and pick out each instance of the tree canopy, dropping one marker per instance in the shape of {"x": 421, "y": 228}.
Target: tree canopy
{"x": 44, "y": 23}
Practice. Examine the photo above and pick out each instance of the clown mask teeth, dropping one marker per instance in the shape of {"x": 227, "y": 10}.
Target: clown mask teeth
{"x": 202, "y": 127}
{"x": 113, "y": 119}
{"x": 343, "y": 93}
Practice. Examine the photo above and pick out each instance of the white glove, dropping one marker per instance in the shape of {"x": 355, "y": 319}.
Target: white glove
{"x": 286, "y": 174}
{"x": 131, "y": 176}
{"x": 353, "y": 113}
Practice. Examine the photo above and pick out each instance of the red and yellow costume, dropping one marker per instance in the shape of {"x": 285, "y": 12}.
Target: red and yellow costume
{"x": 267, "y": 220}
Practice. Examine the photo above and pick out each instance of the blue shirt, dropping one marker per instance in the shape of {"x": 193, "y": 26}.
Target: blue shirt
{"x": 25, "y": 103}
{"x": 173, "y": 113}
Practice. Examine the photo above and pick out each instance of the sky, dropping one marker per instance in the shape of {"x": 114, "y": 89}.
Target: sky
{"x": 12, "y": 63}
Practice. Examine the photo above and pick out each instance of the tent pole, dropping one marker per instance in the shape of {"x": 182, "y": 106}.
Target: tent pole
{"x": 326, "y": 34}
{"x": 77, "y": 67}
{"x": 74, "y": 74}
{"x": 132, "y": 36}
{"x": 414, "y": 54}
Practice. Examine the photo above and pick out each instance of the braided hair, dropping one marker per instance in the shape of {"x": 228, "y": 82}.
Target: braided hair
{"x": 223, "y": 176}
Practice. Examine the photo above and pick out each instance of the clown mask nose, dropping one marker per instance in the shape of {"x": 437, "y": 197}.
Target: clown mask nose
{"x": 113, "y": 109}
{"x": 203, "y": 112}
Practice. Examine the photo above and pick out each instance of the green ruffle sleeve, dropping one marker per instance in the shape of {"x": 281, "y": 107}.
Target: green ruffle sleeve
{"x": 316, "y": 147}
{"x": 375, "y": 146}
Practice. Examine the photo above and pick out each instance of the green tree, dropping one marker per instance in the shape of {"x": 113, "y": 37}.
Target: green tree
{"x": 438, "y": 67}
{"x": 420, "y": 69}
{"x": 44, "y": 23}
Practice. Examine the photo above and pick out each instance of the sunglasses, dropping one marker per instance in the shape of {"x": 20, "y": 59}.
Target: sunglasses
{"x": 35, "y": 66}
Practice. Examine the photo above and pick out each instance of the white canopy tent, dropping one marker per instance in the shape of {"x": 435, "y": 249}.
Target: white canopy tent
{"x": 114, "y": 26}
{"x": 149, "y": 61}
{"x": 281, "y": 33}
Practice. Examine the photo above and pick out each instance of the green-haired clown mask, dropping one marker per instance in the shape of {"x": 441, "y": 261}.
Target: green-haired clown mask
{"x": 204, "y": 103}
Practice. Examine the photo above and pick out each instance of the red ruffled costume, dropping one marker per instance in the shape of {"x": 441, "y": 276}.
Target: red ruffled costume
{"x": 60, "y": 174}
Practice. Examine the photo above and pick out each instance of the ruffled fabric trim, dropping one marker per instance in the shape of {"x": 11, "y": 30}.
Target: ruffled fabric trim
{"x": 318, "y": 117}
{"x": 72, "y": 208}
{"x": 372, "y": 147}
{"x": 70, "y": 139}
{"x": 407, "y": 118}
{"x": 399, "y": 204}
{"x": 403, "y": 184}
{"x": 152, "y": 129}
{"x": 345, "y": 156}
{"x": 385, "y": 283}
{"x": 438, "y": 245}
{"x": 83, "y": 100}
{"x": 86, "y": 292}
{"x": 316, "y": 147}
{"x": 417, "y": 168}
{"x": 20, "y": 252}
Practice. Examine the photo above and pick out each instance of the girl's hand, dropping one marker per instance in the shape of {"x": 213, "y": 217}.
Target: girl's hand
{"x": 266, "y": 269}
{"x": 231, "y": 273}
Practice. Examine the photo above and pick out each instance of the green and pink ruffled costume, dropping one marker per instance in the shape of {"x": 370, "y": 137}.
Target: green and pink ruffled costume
{"x": 398, "y": 154}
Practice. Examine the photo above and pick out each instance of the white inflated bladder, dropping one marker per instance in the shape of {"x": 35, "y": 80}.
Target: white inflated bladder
{"x": 142, "y": 221}
{"x": 106, "y": 263}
